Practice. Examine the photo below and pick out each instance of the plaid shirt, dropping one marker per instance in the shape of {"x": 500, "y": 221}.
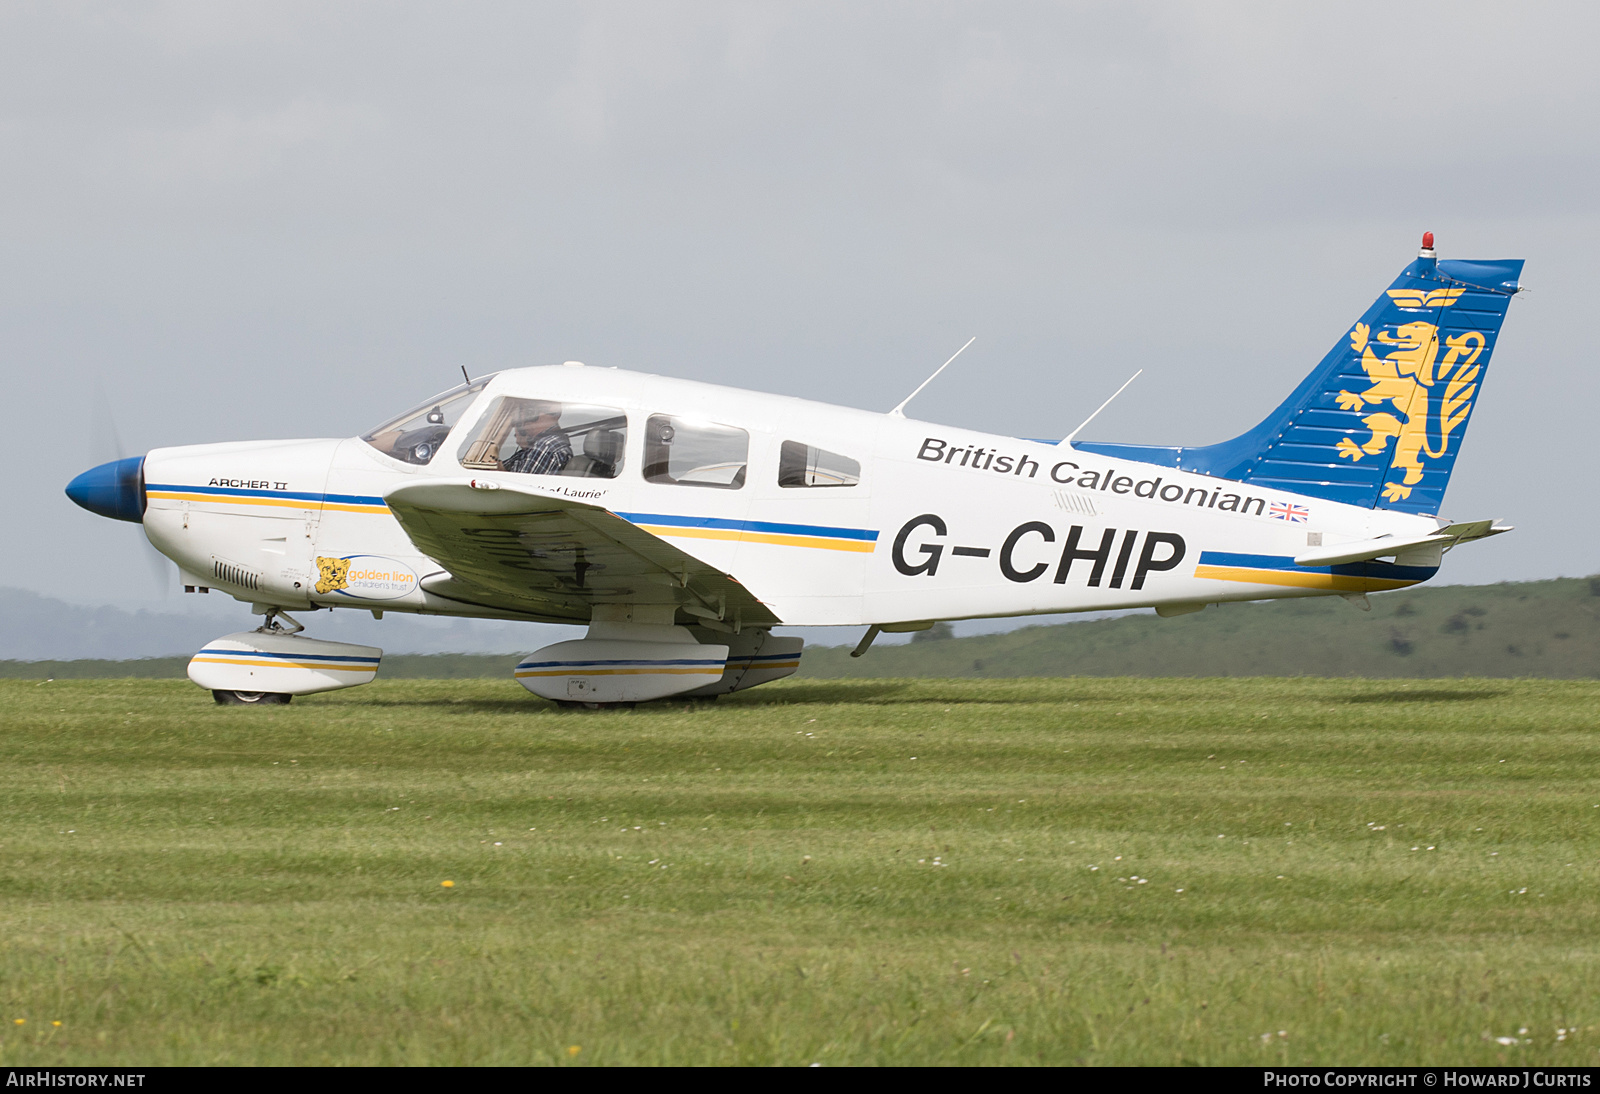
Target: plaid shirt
{"x": 547, "y": 455}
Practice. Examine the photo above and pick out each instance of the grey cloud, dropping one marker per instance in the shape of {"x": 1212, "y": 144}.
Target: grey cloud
{"x": 281, "y": 219}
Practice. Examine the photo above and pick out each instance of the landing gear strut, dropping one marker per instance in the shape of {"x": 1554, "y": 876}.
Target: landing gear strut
{"x": 269, "y": 625}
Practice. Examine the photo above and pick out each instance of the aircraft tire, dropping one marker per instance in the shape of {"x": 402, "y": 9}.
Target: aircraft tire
{"x": 251, "y": 698}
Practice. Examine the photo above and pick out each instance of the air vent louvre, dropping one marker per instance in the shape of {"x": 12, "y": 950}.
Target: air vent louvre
{"x": 1082, "y": 504}
{"x": 229, "y": 574}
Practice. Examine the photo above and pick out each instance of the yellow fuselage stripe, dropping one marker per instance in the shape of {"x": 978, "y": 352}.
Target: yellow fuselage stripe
{"x": 1347, "y": 583}
{"x": 827, "y": 543}
{"x": 278, "y": 503}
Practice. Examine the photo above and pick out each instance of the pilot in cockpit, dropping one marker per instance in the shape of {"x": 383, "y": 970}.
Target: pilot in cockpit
{"x": 542, "y": 447}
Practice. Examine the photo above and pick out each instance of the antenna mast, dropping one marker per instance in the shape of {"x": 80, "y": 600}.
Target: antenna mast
{"x": 1090, "y": 418}
{"x": 900, "y": 411}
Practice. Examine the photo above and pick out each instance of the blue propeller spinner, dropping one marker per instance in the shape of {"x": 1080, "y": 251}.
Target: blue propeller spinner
{"x": 114, "y": 489}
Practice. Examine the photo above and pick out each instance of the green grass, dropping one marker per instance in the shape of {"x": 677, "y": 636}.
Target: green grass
{"x": 855, "y": 872}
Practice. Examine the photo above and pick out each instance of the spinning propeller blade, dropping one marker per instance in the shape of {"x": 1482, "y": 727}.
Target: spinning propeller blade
{"x": 105, "y": 445}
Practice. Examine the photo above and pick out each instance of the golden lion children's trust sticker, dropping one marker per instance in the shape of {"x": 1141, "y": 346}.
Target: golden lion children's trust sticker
{"x": 365, "y": 577}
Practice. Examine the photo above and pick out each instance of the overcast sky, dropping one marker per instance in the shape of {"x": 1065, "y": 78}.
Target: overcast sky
{"x": 281, "y": 220}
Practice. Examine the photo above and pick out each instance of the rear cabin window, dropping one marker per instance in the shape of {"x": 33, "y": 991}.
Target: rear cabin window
{"x": 807, "y": 465}
{"x": 547, "y": 437}
{"x": 688, "y": 452}
{"x": 417, "y": 435}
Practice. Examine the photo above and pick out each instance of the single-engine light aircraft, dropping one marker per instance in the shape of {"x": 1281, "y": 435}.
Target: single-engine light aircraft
{"x": 682, "y": 522}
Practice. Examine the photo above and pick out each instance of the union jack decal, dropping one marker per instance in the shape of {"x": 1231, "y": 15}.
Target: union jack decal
{"x": 1281, "y": 510}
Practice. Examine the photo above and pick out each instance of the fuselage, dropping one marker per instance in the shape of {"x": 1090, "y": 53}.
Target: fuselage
{"x": 939, "y": 523}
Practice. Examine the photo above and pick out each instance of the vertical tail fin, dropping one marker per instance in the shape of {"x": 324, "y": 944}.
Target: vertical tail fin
{"x": 1380, "y": 421}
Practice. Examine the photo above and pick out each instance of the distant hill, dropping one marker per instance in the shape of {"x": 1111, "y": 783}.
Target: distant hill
{"x": 1536, "y": 628}
{"x": 36, "y": 628}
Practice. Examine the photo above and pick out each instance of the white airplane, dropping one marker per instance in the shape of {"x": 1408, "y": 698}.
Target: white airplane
{"x": 683, "y": 521}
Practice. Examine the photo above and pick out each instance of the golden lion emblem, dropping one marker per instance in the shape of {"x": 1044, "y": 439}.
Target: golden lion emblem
{"x": 333, "y": 574}
{"x": 1406, "y": 379}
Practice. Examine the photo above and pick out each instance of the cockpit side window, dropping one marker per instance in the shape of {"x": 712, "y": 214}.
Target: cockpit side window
{"x": 688, "y": 452}
{"x": 546, "y": 437}
{"x": 807, "y": 465}
{"x": 417, "y": 435}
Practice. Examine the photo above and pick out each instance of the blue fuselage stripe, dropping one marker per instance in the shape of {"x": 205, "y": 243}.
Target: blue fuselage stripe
{"x": 668, "y": 520}
{"x": 290, "y": 495}
{"x": 1286, "y": 562}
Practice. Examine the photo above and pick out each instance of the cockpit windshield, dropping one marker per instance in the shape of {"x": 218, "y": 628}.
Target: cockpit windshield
{"x": 418, "y": 434}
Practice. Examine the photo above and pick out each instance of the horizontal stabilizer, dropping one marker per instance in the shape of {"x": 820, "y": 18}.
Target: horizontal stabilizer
{"x": 1366, "y": 550}
{"x": 1475, "y": 529}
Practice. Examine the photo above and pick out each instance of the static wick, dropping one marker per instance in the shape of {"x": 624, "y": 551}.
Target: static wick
{"x": 899, "y": 411}
{"x": 1068, "y": 438}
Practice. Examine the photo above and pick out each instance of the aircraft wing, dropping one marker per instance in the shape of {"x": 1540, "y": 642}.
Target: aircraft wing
{"x": 556, "y": 558}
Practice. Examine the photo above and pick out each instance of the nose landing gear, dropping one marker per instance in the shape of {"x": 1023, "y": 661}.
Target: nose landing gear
{"x": 251, "y": 698}
{"x": 273, "y": 663}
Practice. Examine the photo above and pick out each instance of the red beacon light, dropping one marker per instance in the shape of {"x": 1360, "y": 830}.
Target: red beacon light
{"x": 1427, "y": 245}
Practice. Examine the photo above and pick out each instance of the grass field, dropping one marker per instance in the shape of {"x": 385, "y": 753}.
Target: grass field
{"x": 1100, "y": 871}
